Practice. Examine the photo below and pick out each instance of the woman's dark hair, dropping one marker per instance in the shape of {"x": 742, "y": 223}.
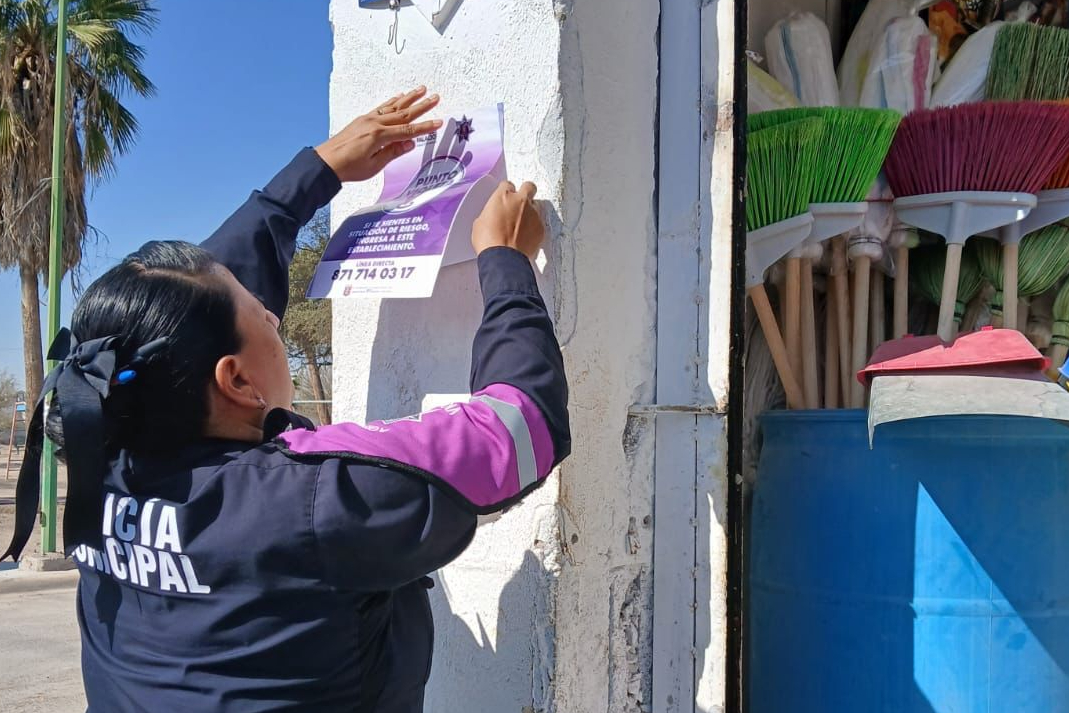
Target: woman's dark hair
{"x": 165, "y": 289}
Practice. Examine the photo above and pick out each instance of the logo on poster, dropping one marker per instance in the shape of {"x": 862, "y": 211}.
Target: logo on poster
{"x": 432, "y": 179}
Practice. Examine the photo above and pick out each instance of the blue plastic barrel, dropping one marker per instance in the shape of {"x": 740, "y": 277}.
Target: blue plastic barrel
{"x": 928, "y": 575}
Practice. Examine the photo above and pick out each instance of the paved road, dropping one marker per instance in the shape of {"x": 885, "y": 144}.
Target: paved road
{"x": 39, "y": 647}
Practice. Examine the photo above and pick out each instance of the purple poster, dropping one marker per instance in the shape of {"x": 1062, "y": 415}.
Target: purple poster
{"x": 422, "y": 221}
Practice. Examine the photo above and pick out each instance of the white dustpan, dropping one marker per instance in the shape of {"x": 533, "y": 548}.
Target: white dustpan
{"x": 765, "y": 246}
{"x": 957, "y": 216}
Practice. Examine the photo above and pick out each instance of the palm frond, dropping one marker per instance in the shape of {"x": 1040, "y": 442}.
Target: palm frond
{"x": 116, "y": 62}
{"x": 92, "y": 34}
{"x": 8, "y": 132}
{"x": 125, "y": 15}
{"x": 104, "y": 63}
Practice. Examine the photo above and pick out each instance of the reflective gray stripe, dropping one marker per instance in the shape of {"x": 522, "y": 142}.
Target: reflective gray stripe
{"x": 516, "y": 424}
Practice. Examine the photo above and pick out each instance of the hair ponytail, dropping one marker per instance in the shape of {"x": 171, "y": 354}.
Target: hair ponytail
{"x": 134, "y": 375}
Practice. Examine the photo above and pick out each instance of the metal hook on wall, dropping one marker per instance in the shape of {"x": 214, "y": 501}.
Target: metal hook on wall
{"x": 395, "y": 5}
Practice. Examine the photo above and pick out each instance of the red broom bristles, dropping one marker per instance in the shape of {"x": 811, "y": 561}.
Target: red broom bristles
{"x": 1060, "y": 179}
{"x": 984, "y": 146}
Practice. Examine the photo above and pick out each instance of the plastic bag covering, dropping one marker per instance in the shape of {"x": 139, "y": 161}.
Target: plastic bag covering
{"x": 879, "y": 217}
{"x": 902, "y": 67}
{"x": 764, "y": 93}
{"x": 854, "y": 65}
{"x": 798, "y": 48}
{"x": 966, "y": 75}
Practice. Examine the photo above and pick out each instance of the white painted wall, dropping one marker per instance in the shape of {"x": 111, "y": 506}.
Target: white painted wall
{"x": 551, "y": 608}
{"x": 494, "y": 606}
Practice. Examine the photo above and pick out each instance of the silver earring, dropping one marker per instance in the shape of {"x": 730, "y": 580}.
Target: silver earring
{"x": 263, "y": 404}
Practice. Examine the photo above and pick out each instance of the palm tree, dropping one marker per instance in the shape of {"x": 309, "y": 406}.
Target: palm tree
{"x": 103, "y": 63}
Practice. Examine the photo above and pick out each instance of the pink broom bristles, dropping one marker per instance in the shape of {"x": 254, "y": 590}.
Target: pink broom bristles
{"x": 984, "y": 146}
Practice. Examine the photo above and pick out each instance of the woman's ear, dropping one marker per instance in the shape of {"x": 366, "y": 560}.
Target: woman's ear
{"x": 232, "y": 384}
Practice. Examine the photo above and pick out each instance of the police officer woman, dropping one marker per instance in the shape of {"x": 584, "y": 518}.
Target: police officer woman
{"x": 233, "y": 557}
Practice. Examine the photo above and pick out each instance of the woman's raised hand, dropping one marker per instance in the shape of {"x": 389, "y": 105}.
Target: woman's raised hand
{"x": 510, "y": 220}
{"x": 365, "y": 146}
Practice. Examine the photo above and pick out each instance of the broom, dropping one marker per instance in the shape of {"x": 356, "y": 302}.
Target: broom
{"x": 763, "y": 92}
{"x": 1028, "y": 62}
{"x": 1040, "y": 319}
{"x": 799, "y": 53}
{"x": 1059, "y": 337}
{"x": 850, "y": 152}
{"x": 926, "y": 277}
{"x": 965, "y": 77}
{"x": 1043, "y": 261}
{"x": 865, "y": 39}
{"x": 952, "y": 173}
{"x": 899, "y": 77}
{"x": 779, "y": 180}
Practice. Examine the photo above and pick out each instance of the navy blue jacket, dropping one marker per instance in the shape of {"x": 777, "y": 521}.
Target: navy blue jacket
{"x": 291, "y": 575}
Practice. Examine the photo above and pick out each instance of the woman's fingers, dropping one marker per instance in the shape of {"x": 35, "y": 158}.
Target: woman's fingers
{"x": 391, "y": 152}
{"x": 411, "y": 113}
{"x": 401, "y": 101}
{"x": 390, "y": 134}
{"x": 528, "y": 190}
{"x": 410, "y": 98}
{"x": 385, "y": 106}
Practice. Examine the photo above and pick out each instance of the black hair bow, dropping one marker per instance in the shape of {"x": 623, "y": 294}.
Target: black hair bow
{"x": 83, "y": 378}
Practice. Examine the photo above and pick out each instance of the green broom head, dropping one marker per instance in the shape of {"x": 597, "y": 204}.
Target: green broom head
{"x": 851, "y": 149}
{"x": 1029, "y": 62}
{"x": 780, "y": 167}
{"x": 1043, "y": 260}
{"x": 1060, "y": 329}
{"x": 926, "y": 265}
{"x": 983, "y": 146}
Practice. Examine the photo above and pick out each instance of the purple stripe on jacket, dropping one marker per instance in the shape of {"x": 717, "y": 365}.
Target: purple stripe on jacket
{"x": 466, "y": 445}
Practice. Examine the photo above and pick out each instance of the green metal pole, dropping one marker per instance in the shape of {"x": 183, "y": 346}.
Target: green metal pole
{"x": 55, "y": 265}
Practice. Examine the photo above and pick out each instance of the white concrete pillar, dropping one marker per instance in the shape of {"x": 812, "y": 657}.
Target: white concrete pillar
{"x": 551, "y": 609}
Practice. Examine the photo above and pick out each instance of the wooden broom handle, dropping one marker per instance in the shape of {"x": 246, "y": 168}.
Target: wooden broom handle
{"x": 860, "y": 340}
{"x": 945, "y": 326}
{"x": 1009, "y": 285}
{"x": 877, "y": 311}
{"x": 792, "y": 314}
{"x": 810, "y": 382}
{"x": 901, "y": 307}
{"x": 776, "y": 346}
{"x": 841, "y": 293}
{"x": 831, "y": 352}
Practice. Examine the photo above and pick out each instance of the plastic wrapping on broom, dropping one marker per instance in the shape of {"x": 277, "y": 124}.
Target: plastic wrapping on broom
{"x": 965, "y": 77}
{"x": 902, "y": 67}
{"x": 870, "y": 236}
{"x": 764, "y": 93}
{"x": 856, "y": 59}
{"x": 798, "y": 49}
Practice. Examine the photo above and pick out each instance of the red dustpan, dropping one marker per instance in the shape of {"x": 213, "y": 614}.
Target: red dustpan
{"x": 987, "y": 351}
{"x": 991, "y": 372}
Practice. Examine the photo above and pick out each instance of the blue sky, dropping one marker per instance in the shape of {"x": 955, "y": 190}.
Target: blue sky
{"x": 241, "y": 86}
